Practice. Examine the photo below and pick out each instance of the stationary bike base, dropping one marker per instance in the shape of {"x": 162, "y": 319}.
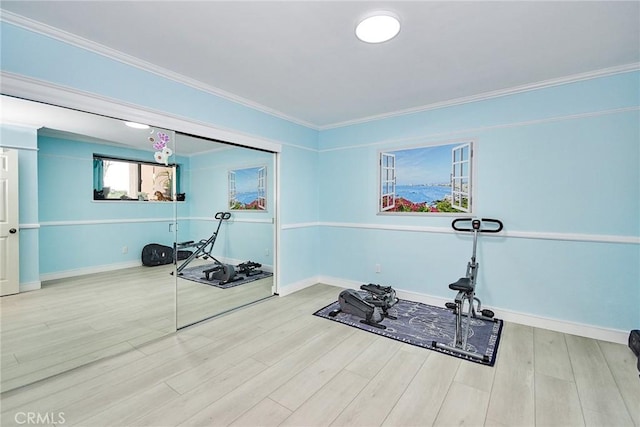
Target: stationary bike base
{"x": 465, "y": 287}
{"x": 483, "y": 357}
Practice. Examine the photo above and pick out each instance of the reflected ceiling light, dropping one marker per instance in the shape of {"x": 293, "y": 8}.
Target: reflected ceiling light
{"x": 136, "y": 125}
{"x": 378, "y": 27}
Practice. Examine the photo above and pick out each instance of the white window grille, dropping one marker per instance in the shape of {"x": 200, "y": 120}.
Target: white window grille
{"x": 461, "y": 177}
{"x": 232, "y": 189}
{"x": 262, "y": 188}
{"x": 387, "y": 181}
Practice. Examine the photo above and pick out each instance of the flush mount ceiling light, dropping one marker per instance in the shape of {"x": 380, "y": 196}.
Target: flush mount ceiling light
{"x": 136, "y": 125}
{"x": 378, "y": 27}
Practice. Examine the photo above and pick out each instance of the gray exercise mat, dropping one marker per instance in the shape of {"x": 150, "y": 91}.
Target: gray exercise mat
{"x": 420, "y": 324}
{"x": 196, "y": 274}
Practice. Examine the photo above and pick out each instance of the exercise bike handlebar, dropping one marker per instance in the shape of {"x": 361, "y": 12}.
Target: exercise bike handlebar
{"x": 476, "y": 225}
{"x": 223, "y": 215}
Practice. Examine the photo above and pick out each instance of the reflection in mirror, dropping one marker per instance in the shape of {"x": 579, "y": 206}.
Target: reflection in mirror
{"x": 125, "y": 179}
{"x": 83, "y": 292}
{"x": 226, "y": 255}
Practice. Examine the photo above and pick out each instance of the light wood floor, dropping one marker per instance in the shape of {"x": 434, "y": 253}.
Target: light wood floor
{"x": 274, "y": 363}
{"x": 74, "y": 321}
{"x": 197, "y": 301}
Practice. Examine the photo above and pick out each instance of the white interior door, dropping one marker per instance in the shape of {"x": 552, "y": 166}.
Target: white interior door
{"x": 9, "y": 239}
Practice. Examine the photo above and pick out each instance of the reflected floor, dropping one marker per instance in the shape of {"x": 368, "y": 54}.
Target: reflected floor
{"x": 197, "y": 301}
{"x": 74, "y": 321}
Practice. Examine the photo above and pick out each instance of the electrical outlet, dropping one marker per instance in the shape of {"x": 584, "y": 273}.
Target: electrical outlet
{"x": 125, "y": 249}
{"x": 378, "y": 268}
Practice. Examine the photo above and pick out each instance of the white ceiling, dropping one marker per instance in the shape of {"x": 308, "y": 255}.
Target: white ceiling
{"x": 301, "y": 60}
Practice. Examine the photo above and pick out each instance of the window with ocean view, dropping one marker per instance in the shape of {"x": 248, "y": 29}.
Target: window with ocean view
{"x": 431, "y": 179}
{"x": 247, "y": 189}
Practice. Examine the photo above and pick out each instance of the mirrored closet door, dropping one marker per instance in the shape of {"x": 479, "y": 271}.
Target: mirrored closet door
{"x": 126, "y": 233}
{"x": 93, "y": 193}
{"x": 225, "y": 228}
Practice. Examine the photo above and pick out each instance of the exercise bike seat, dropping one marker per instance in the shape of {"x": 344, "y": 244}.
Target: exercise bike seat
{"x": 463, "y": 285}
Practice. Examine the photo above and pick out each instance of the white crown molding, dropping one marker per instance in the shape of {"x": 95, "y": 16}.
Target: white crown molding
{"x": 627, "y": 68}
{"x": 458, "y": 135}
{"x": 74, "y": 40}
{"x": 50, "y": 93}
{"x": 116, "y": 55}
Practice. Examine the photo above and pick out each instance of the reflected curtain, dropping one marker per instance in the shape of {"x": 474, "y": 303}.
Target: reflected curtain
{"x": 176, "y": 179}
{"x": 98, "y": 174}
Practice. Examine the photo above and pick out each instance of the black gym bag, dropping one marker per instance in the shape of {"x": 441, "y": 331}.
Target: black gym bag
{"x": 155, "y": 254}
{"x": 634, "y": 344}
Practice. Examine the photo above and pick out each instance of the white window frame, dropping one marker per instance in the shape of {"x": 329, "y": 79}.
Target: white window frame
{"x": 458, "y": 177}
{"x": 232, "y": 188}
{"x": 134, "y": 178}
{"x": 262, "y": 188}
{"x": 387, "y": 181}
{"x": 469, "y": 178}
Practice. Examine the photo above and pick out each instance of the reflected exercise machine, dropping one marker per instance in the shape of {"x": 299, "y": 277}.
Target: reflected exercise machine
{"x": 225, "y": 273}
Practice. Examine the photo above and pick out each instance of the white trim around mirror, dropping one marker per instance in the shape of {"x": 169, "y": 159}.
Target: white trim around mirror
{"x": 41, "y": 91}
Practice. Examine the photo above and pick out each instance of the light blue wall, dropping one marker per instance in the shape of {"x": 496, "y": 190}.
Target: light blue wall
{"x": 36, "y": 56}
{"x": 561, "y": 160}
{"x": 248, "y": 235}
{"x": 80, "y": 233}
{"x": 25, "y": 140}
{"x": 299, "y": 247}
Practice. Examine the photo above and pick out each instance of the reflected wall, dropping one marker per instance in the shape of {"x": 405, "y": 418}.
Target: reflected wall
{"x": 248, "y": 236}
{"x": 85, "y": 294}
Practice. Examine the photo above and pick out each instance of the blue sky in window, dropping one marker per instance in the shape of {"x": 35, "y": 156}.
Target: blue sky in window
{"x": 247, "y": 180}
{"x": 424, "y": 165}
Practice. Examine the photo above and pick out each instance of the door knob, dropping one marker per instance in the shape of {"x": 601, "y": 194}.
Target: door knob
{"x": 13, "y": 231}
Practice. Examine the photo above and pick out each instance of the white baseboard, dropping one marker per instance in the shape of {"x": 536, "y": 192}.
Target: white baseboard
{"x": 564, "y": 326}
{"x": 30, "y": 286}
{"x": 298, "y": 286}
{"x": 88, "y": 270}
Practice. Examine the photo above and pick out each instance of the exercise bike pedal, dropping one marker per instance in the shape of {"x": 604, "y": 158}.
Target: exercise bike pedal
{"x": 451, "y": 306}
{"x": 488, "y": 313}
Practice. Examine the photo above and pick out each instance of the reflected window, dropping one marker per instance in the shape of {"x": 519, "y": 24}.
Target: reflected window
{"x": 123, "y": 179}
{"x": 248, "y": 189}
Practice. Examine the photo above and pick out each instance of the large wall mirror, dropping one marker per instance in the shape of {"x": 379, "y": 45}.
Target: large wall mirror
{"x": 225, "y": 228}
{"x": 97, "y": 200}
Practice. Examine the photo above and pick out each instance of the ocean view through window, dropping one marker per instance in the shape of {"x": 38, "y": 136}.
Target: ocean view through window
{"x": 429, "y": 179}
{"x": 247, "y": 189}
